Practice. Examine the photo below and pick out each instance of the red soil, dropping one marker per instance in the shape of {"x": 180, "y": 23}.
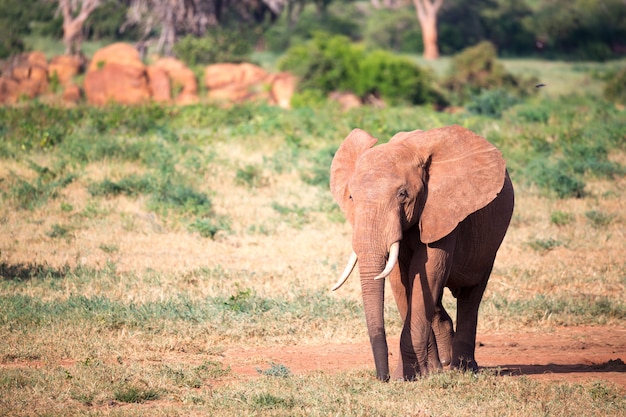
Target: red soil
{"x": 575, "y": 354}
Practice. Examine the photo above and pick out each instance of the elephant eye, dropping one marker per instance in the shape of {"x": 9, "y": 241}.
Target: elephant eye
{"x": 403, "y": 194}
{"x": 350, "y": 196}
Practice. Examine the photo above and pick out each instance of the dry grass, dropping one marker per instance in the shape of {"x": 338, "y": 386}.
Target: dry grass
{"x": 117, "y": 309}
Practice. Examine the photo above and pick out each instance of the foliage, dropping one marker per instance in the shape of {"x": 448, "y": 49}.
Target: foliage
{"x": 251, "y": 176}
{"x": 326, "y": 63}
{"x": 580, "y": 29}
{"x": 33, "y": 194}
{"x": 393, "y": 30}
{"x": 331, "y": 63}
{"x": 277, "y": 370}
{"x": 463, "y": 24}
{"x": 16, "y": 21}
{"x": 477, "y": 68}
{"x": 108, "y": 21}
{"x": 599, "y": 219}
{"x": 561, "y": 218}
{"x": 492, "y": 103}
{"x": 217, "y": 45}
{"x": 615, "y": 88}
{"x": 395, "y": 79}
{"x": 339, "y": 18}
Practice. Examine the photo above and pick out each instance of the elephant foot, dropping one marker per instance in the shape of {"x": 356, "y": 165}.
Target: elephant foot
{"x": 463, "y": 357}
{"x": 464, "y": 364}
{"x": 412, "y": 372}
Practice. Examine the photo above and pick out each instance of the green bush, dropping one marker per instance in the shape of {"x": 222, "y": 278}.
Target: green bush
{"x": 208, "y": 227}
{"x": 396, "y": 79}
{"x": 17, "y": 18}
{"x": 579, "y": 29}
{"x": 333, "y": 63}
{"x": 338, "y": 19}
{"x": 615, "y": 88}
{"x": 325, "y": 63}
{"x": 561, "y": 218}
{"x": 217, "y": 45}
{"x": 107, "y": 20}
{"x": 476, "y": 69}
{"x": 393, "y": 30}
{"x": 599, "y": 219}
{"x": 492, "y": 103}
{"x": 556, "y": 178}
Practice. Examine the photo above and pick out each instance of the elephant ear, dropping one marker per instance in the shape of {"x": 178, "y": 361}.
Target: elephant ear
{"x": 342, "y": 167}
{"x": 465, "y": 173}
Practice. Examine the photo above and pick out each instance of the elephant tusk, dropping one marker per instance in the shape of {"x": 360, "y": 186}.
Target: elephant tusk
{"x": 346, "y": 272}
{"x": 394, "y": 251}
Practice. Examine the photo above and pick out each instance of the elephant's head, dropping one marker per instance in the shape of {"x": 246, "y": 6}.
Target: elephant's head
{"x": 423, "y": 183}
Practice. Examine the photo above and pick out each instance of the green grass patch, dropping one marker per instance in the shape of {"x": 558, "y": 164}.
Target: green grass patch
{"x": 565, "y": 310}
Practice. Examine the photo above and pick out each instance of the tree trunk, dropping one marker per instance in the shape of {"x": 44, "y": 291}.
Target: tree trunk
{"x": 427, "y": 16}
{"x": 73, "y": 21}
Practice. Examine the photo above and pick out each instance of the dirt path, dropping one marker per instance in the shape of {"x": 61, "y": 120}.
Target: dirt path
{"x": 575, "y": 354}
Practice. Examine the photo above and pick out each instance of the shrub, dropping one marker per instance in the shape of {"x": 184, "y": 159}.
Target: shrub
{"x": 251, "y": 176}
{"x": 599, "y": 219}
{"x": 561, "y": 218}
{"x": 476, "y": 69}
{"x": 326, "y": 63}
{"x": 331, "y": 63}
{"x": 217, "y": 45}
{"x": 394, "y": 30}
{"x": 396, "y": 79}
{"x": 615, "y": 88}
{"x": 556, "y": 177}
{"x": 339, "y": 18}
{"x": 209, "y": 227}
{"x": 492, "y": 103}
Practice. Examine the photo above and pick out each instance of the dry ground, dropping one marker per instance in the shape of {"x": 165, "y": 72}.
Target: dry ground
{"x": 589, "y": 260}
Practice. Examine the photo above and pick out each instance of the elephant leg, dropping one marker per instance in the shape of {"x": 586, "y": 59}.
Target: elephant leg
{"x": 428, "y": 271}
{"x": 401, "y": 288}
{"x": 443, "y": 332}
{"x": 464, "y": 342}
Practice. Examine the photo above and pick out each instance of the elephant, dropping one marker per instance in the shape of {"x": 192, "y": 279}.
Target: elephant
{"x": 428, "y": 210}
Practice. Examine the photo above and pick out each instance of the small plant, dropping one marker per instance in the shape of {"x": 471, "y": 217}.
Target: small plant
{"x": 109, "y": 248}
{"x": 276, "y": 370}
{"x": 245, "y": 300}
{"x": 615, "y": 88}
{"x": 251, "y": 176}
{"x": 132, "y": 394}
{"x": 599, "y": 219}
{"x": 212, "y": 370}
{"x": 210, "y": 227}
{"x": 59, "y": 231}
{"x": 545, "y": 245}
{"x": 267, "y": 400}
{"x": 561, "y": 218}
{"x": 30, "y": 195}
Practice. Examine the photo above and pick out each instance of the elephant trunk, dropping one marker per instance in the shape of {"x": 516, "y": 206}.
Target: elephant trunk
{"x": 373, "y": 303}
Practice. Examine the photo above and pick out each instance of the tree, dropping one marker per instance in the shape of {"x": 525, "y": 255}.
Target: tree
{"x": 427, "y": 16}
{"x": 75, "y": 13}
{"x": 172, "y": 18}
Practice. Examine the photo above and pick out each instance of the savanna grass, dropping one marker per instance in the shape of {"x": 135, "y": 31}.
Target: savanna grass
{"x": 111, "y": 291}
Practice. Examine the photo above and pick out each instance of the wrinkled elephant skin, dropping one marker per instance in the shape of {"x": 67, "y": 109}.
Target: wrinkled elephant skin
{"x": 428, "y": 210}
